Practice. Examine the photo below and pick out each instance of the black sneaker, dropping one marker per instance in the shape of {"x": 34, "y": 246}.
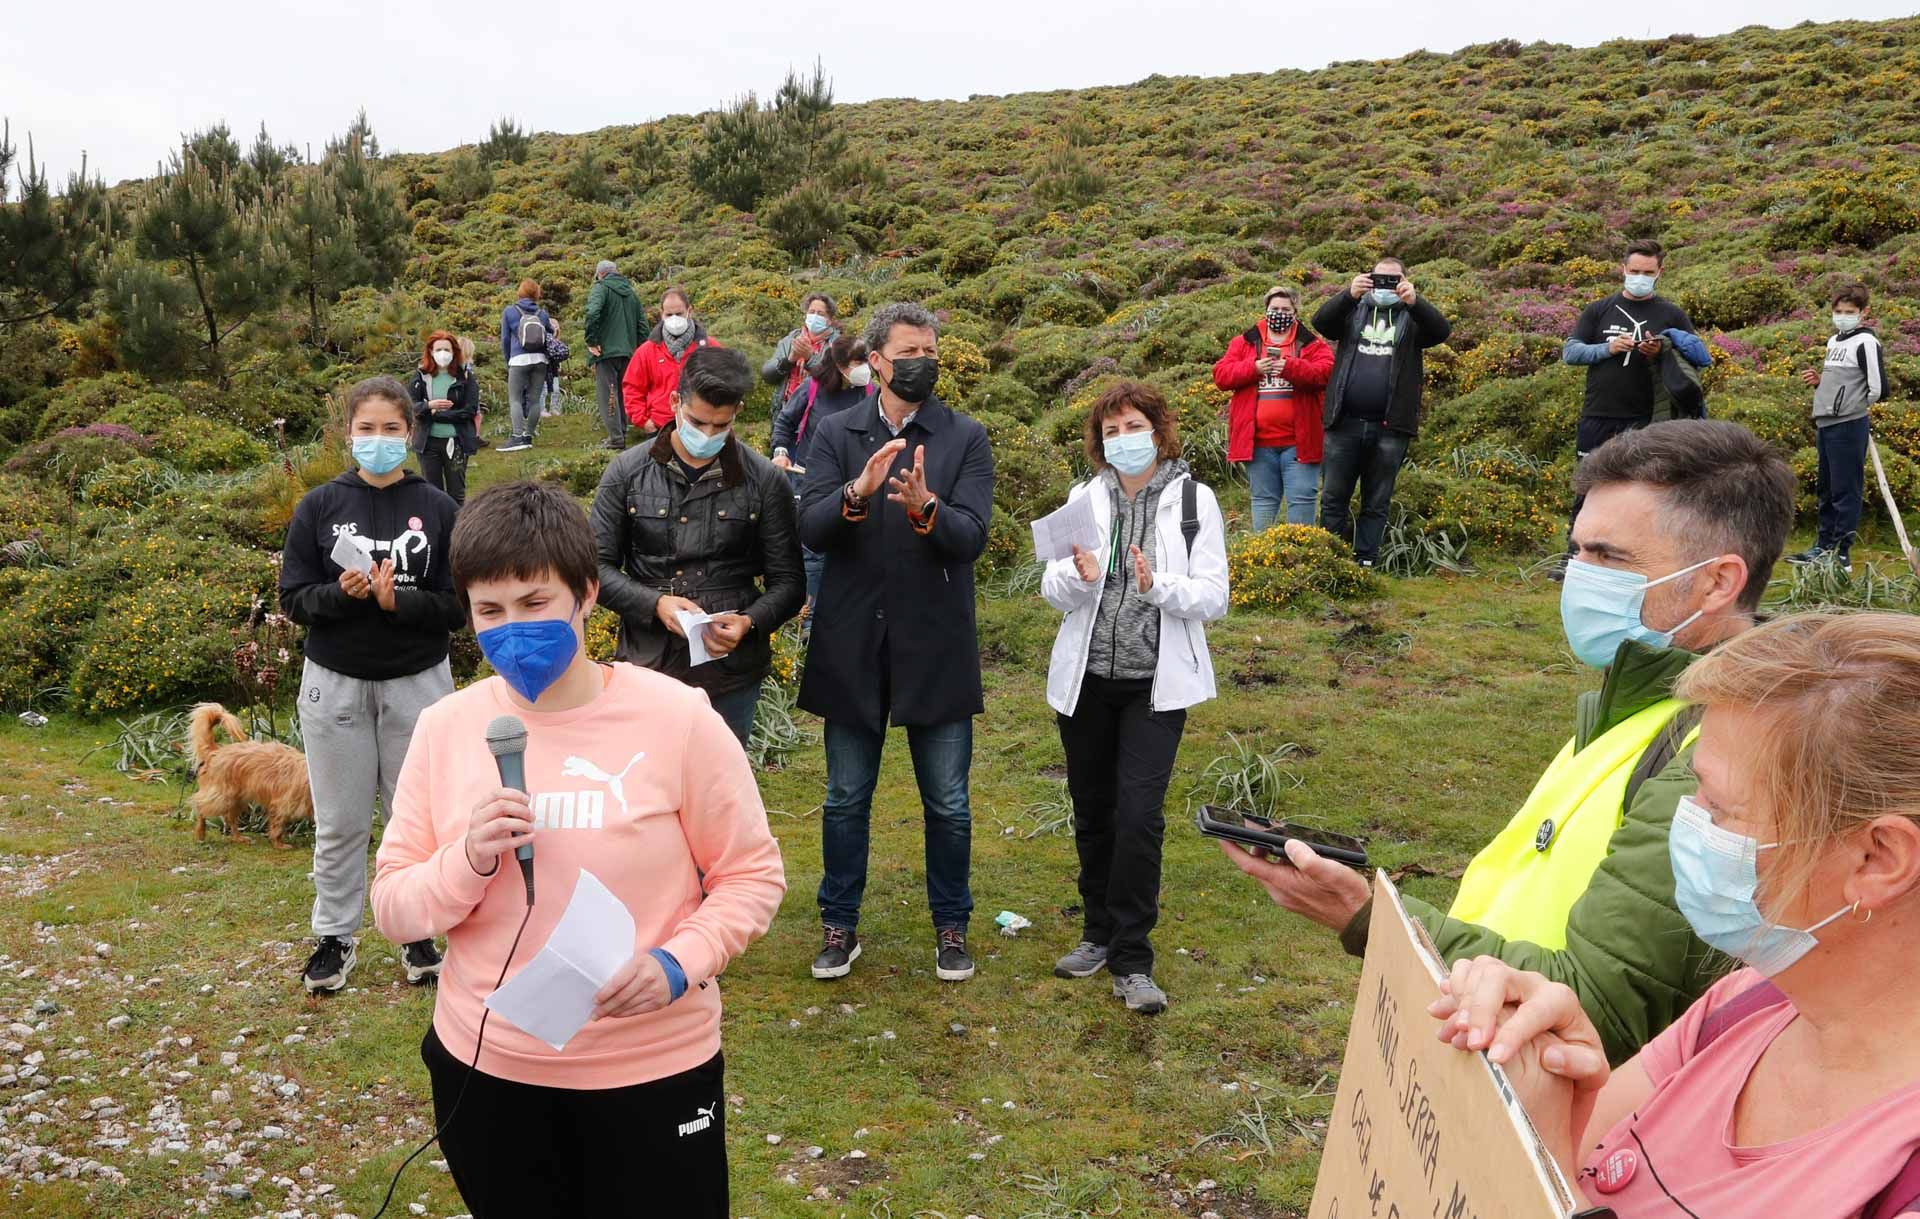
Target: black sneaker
{"x": 1813, "y": 554}
{"x": 952, "y": 964}
{"x": 328, "y": 967}
{"x": 516, "y": 444}
{"x": 421, "y": 960}
{"x": 839, "y": 949}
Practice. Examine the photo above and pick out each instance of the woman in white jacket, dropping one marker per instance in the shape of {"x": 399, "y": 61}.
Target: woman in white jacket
{"x": 1130, "y": 658}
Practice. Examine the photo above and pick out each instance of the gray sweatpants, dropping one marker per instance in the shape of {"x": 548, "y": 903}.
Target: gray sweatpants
{"x": 524, "y": 383}
{"x": 356, "y": 735}
{"x": 609, "y": 377}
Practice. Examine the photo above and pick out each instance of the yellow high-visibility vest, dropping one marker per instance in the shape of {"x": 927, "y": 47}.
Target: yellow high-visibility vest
{"x": 1524, "y": 882}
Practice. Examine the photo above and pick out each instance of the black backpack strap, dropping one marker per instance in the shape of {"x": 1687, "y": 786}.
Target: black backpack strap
{"x": 1665, "y": 748}
{"x": 1189, "y": 513}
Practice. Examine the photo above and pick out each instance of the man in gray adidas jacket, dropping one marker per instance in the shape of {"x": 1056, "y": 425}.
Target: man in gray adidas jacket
{"x": 1852, "y": 380}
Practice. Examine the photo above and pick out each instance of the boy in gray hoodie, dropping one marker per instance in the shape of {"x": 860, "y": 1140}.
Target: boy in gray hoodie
{"x": 1852, "y": 380}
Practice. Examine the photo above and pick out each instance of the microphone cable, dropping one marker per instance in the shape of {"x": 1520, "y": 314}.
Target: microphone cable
{"x": 479, "y": 1040}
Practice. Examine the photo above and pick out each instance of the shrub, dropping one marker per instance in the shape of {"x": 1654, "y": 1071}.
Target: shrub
{"x": 1003, "y": 395}
{"x": 198, "y": 444}
{"x": 1501, "y": 501}
{"x": 1048, "y": 356}
{"x": 74, "y": 454}
{"x": 79, "y": 403}
{"x": 579, "y": 475}
{"x": 1031, "y": 478}
{"x": 966, "y": 257}
{"x": 1740, "y": 301}
{"x": 1057, "y": 306}
{"x": 27, "y": 505}
{"x": 804, "y": 218}
{"x": 1289, "y": 566}
{"x": 148, "y": 413}
{"x": 961, "y": 368}
{"x": 1535, "y": 414}
{"x": 126, "y": 485}
{"x": 158, "y": 643}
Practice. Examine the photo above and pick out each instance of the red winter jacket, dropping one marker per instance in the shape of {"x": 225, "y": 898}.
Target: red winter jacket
{"x": 653, "y": 375}
{"x": 1308, "y": 369}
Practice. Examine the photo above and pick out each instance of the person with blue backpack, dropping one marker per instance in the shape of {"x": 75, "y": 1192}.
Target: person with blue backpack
{"x": 525, "y": 329}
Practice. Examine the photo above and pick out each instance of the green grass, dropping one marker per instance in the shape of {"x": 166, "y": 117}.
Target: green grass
{"x": 1420, "y": 723}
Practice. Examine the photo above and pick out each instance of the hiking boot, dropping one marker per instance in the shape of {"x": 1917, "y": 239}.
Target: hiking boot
{"x": 421, "y": 960}
{"x": 1140, "y": 994}
{"x": 951, "y": 963}
{"x": 1083, "y": 962}
{"x": 331, "y": 962}
{"x": 839, "y": 949}
{"x": 516, "y": 444}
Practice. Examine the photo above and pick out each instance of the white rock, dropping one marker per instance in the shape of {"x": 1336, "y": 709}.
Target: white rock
{"x": 856, "y": 1154}
{"x": 272, "y": 1132}
{"x": 116, "y": 1023}
{"x": 415, "y": 1208}
{"x": 773, "y": 1140}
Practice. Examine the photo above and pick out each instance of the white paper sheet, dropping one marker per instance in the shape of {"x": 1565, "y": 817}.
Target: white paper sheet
{"x": 348, "y": 555}
{"x": 694, "y": 627}
{"x": 551, "y": 997}
{"x": 1057, "y": 533}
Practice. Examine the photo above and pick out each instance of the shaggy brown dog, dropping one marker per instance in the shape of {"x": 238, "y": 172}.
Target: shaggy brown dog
{"x": 243, "y": 772}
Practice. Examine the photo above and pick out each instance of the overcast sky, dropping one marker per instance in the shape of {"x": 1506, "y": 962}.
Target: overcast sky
{"x": 121, "y": 80}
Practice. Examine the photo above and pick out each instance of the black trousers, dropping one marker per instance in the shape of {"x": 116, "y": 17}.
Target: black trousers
{"x": 1120, "y": 755}
{"x": 443, "y": 465}
{"x": 1591, "y": 434}
{"x": 1841, "y": 482}
{"x": 517, "y": 1150}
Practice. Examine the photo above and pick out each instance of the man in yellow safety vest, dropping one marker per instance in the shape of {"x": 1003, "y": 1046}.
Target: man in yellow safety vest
{"x": 1682, "y": 524}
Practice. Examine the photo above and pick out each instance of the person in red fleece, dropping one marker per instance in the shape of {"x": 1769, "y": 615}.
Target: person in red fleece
{"x": 653, "y": 374}
{"x": 1276, "y": 372}
{"x": 632, "y": 776}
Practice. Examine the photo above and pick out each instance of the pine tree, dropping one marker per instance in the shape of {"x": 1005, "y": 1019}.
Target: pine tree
{"x": 737, "y": 156}
{"x": 467, "y": 180}
{"x": 587, "y": 179}
{"x": 264, "y": 171}
{"x": 379, "y": 223}
{"x": 505, "y": 142}
{"x": 211, "y": 266}
{"x": 324, "y": 258}
{"x": 51, "y": 247}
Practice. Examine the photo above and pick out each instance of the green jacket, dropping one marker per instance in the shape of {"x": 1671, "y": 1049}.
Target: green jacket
{"x": 1630, "y": 956}
{"x": 614, "y": 318}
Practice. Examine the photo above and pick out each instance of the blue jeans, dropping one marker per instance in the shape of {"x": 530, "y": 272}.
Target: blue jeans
{"x": 815, "y": 562}
{"x": 1274, "y": 474}
{"x": 942, "y": 756}
{"x": 1841, "y": 482}
{"x": 737, "y": 708}
{"x": 1369, "y": 456}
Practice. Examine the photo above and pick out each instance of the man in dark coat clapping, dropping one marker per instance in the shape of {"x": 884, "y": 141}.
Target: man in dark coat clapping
{"x": 898, "y": 495}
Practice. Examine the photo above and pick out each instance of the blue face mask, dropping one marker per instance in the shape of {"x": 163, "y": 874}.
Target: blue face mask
{"x": 1384, "y": 297}
{"x": 379, "y": 454}
{"x": 698, "y": 444}
{"x": 1640, "y": 285}
{"x": 1600, "y": 609}
{"x": 1714, "y": 880}
{"x": 1844, "y": 322}
{"x": 530, "y": 655}
{"x": 817, "y": 323}
{"x": 1131, "y": 452}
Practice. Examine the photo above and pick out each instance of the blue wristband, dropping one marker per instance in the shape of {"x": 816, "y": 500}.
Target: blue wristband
{"x": 676, "y": 976}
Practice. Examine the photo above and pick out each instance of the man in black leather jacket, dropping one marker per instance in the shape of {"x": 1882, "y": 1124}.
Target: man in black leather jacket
{"x": 693, "y": 521}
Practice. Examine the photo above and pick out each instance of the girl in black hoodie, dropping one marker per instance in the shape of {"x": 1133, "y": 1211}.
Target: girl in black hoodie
{"x": 366, "y": 572}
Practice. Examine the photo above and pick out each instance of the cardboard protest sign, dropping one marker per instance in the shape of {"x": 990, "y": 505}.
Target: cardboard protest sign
{"x": 1420, "y": 1130}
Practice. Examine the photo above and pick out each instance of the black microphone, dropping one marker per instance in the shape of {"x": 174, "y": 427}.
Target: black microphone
{"x": 507, "y": 741}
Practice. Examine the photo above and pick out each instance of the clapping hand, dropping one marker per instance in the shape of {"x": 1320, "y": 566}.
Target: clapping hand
{"x": 910, "y": 485}
{"x": 1085, "y": 565}
{"x": 874, "y": 473}
{"x": 383, "y": 584}
{"x": 1142, "y": 570}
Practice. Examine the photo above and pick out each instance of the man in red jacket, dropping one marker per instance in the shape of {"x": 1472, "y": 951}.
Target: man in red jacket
{"x": 1276, "y": 372}
{"x": 653, "y": 374}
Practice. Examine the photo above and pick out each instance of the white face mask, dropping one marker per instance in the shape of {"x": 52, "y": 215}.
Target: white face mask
{"x": 860, "y": 376}
{"x": 676, "y": 324}
{"x": 1843, "y": 322}
{"x": 442, "y": 357}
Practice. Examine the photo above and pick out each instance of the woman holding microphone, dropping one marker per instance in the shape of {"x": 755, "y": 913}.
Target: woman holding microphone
{"x": 1130, "y": 658}
{"x": 631, "y": 776}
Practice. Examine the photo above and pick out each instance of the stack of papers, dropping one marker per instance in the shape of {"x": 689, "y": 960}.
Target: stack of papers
{"x": 1057, "y": 533}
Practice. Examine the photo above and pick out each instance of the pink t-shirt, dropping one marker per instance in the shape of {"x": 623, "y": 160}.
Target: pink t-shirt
{"x": 645, "y": 787}
{"x": 1679, "y": 1145}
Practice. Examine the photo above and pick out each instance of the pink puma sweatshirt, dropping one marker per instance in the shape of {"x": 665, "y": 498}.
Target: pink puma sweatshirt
{"x": 646, "y": 788}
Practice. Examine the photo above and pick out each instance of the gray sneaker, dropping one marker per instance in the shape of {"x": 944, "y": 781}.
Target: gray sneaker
{"x": 1140, "y": 993}
{"x": 1083, "y": 962}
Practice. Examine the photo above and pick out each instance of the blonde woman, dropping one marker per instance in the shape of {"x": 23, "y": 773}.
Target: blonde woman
{"x": 1792, "y": 1087}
